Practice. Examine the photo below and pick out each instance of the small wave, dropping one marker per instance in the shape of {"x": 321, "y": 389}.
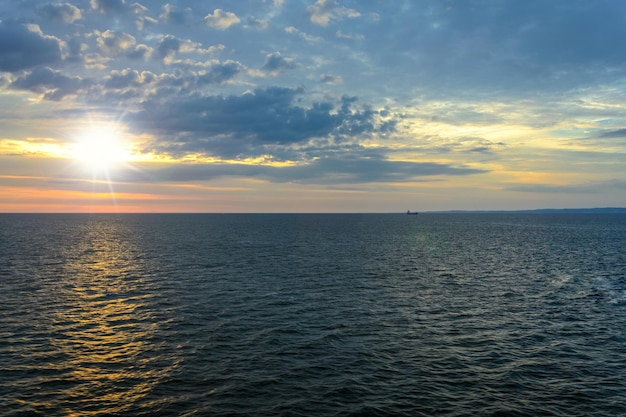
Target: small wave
{"x": 144, "y": 328}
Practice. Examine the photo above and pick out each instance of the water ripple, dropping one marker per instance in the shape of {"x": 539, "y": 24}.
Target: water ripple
{"x": 312, "y": 315}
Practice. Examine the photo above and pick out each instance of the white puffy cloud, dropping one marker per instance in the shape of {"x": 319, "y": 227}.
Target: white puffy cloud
{"x": 221, "y": 20}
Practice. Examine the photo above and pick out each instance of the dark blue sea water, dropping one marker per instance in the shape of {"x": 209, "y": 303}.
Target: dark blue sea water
{"x": 313, "y": 315}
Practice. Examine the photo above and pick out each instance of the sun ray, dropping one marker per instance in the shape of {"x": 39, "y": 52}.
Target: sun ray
{"x": 101, "y": 149}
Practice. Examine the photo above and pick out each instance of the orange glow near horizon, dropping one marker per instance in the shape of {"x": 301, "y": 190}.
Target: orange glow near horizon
{"x": 37, "y": 200}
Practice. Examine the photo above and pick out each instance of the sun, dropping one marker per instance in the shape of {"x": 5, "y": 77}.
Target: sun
{"x": 101, "y": 148}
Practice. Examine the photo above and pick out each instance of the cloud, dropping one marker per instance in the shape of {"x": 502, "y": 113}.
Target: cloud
{"x": 220, "y": 73}
{"x": 588, "y": 188}
{"x": 221, "y": 20}
{"x": 141, "y": 19}
{"x": 303, "y": 35}
{"x": 168, "y": 46}
{"x": 347, "y": 169}
{"x": 259, "y": 24}
{"x": 323, "y": 11}
{"x": 330, "y": 79}
{"x": 140, "y": 52}
{"x": 275, "y": 63}
{"x": 131, "y": 83}
{"x": 245, "y": 124}
{"x": 108, "y": 6}
{"x": 619, "y": 133}
{"x": 75, "y": 50}
{"x": 25, "y": 46}
{"x": 64, "y": 12}
{"x": 342, "y": 35}
{"x": 114, "y": 42}
{"x": 174, "y": 15}
{"x": 52, "y": 84}
{"x": 128, "y": 78}
{"x": 329, "y": 171}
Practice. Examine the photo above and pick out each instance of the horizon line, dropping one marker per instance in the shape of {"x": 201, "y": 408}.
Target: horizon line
{"x": 598, "y": 210}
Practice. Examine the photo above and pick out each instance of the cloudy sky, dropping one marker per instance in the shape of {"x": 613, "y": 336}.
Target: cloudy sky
{"x": 311, "y": 105}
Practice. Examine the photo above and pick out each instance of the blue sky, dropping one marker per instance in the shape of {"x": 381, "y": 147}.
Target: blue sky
{"x": 311, "y": 106}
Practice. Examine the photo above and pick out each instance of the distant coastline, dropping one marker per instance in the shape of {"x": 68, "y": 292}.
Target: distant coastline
{"x": 599, "y": 210}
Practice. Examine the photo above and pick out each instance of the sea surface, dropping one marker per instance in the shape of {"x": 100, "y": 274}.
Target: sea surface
{"x": 313, "y": 315}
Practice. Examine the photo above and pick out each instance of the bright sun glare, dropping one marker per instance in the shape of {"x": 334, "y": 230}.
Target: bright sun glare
{"x": 101, "y": 148}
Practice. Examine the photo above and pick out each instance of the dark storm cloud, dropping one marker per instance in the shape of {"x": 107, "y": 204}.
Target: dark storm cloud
{"x": 53, "y": 84}
{"x": 25, "y": 46}
{"x": 265, "y": 116}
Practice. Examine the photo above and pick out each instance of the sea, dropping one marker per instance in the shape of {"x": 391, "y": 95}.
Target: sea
{"x": 439, "y": 314}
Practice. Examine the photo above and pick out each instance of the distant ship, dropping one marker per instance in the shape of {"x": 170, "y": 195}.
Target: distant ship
{"x": 411, "y": 213}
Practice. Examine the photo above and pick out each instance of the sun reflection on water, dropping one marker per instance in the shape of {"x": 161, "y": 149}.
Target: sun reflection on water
{"x": 104, "y": 329}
